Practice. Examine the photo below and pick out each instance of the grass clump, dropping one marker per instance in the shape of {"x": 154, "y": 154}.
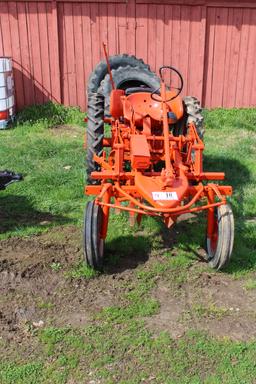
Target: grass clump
{"x": 19, "y": 374}
{"x": 250, "y": 284}
{"x": 49, "y": 115}
{"x": 81, "y": 271}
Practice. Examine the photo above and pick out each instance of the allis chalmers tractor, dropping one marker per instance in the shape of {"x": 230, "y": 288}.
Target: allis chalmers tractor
{"x": 153, "y": 165}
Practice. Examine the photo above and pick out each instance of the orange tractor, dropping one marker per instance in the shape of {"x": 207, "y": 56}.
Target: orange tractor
{"x": 154, "y": 166}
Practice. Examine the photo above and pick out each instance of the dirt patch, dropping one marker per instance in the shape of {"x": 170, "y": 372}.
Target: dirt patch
{"x": 35, "y": 289}
{"x": 213, "y": 303}
{"x": 66, "y": 130}
{"x": 36, "y": 292}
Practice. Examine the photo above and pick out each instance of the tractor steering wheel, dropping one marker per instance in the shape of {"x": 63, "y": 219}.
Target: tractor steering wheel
{"x": 161, "y": 77}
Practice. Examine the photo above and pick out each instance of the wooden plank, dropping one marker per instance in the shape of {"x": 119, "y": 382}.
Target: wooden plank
{"x": 151, "y": 36}
{"x": 79, "y": 59}
{"x": 44, "y": 47}
{"x": 220, "y": 44}
{"x": 230, "y": 3}
{"x": 69, "y": 1}
{"x": 243, "y": 53}
{"x": 63, "y": 55}
{"x": 70, "y": 53}
{"x": 201, "y": 51}
{"x": 167, "y": 34}
{"x": 176, "y": 42}
{"x": 25, "y": 55}
{"x": 142, "y": 32}
{"x": 87, "y": 41}
{"x": 112, "y": 30}
{"x": 208, "y": 3}
{"x": 209, "y": 54}
{"x": 131, "y": 27}
{"x": 1, "y": 32}
{"x": 197, "y": 49}
{"x": 7, "y": 44}
{"x": 252, "y": 102}
{"x": 159, "y": 36}
{"x": 185, "y": 51}
{"x": 234, "y": 58}
{"x": 54, "y": 51}
{"x": 35, "y": 52}
{"x": 16, "y": 55}
{"x": 122, "y": 28}
{"x": 167, "y": 21}
{"x": 228, "y": 57}
{"x": 103, "y": 21}
{"x": 95, "y": 33}
{"x": 90, "y": 1}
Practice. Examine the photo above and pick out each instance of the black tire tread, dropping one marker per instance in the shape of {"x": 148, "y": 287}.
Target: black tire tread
{"x": 115, "y": 61}
{"x": 96, "y": 228}
{"x": 144, "y": 76}
{"x": 94, "y": 132}
{"x": 223, "y": 252}
{"x": 193, "y": 113}
{"x": 87, "y": 237}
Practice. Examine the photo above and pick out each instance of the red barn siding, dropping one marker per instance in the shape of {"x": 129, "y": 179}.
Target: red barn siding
{"x": 56, "y": 44}
{"x": 230, "y": 57}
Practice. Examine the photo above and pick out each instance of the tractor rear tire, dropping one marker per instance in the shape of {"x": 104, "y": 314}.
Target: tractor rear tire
{"x": 128, "y": 77}
{"x": 220, "y": 247}
{"x": 115, "y": 61}
{"x": 94, "y": 133}
{"x": 193, "y": 114}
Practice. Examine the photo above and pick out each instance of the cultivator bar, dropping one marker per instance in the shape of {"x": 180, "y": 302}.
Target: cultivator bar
{"x": 154, "y": 166}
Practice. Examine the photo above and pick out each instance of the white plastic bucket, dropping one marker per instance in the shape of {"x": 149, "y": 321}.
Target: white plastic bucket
{"x": 7, "y": 101}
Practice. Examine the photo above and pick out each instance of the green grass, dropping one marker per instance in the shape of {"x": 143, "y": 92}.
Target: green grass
{"x": 81, "y": 270}
{"x": 231, "y": 147}
{"x": 250, "y": 284}
{"x": 117, "y": 347}
{"x": 208, "y": 312}
{"x": 50, "y": 194}
{"x": 109, "y": 353}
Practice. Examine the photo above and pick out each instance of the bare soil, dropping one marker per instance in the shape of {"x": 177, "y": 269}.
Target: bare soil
{"x": 35, "y": 291}
{"x": 214, "y": 303}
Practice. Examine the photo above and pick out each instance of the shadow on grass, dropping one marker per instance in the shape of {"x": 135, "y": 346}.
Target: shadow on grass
{"x": 244, "y": 253}
{"x": 127, "y": 252}
{"x": 238, "y": 176}
{"x": 17, "y": 213}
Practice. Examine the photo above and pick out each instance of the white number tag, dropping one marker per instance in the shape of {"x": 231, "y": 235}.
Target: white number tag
{"x": 165, "y": 196}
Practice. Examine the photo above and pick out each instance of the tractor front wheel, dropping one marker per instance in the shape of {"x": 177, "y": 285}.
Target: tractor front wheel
{"x": 219, "y": 243}
{"x": 93, "y": 242}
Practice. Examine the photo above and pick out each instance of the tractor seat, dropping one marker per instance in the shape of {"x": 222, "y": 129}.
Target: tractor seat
{"x": 131, "y": 90}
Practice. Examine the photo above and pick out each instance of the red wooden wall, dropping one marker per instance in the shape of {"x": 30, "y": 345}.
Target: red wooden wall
{"x": 56, "y": 44}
